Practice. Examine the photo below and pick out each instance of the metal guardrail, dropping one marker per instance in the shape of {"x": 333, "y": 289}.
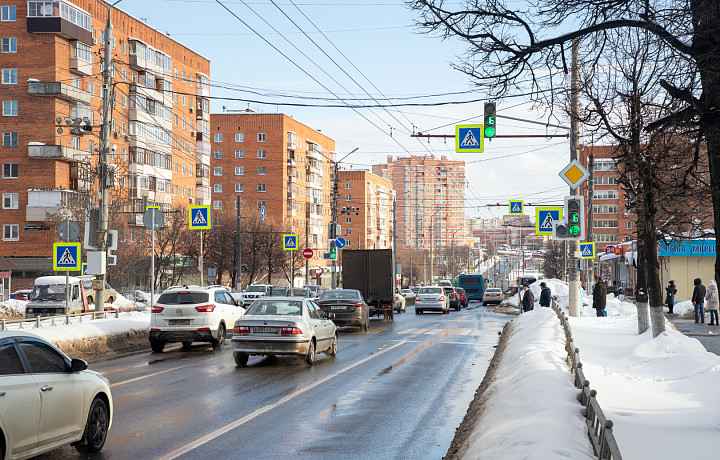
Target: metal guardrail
{"x": 600, "y": 429}
{"x": 59, "y": 320}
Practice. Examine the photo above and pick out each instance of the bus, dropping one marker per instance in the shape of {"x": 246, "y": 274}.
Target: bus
{"x": 473, "y": 284}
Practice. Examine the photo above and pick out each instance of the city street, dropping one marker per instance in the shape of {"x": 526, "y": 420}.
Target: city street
{"x": 399, "y": 391}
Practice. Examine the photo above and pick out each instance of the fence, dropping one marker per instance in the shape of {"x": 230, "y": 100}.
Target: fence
{"x": 599, "y": 427}
{"x": 59, "y": 320}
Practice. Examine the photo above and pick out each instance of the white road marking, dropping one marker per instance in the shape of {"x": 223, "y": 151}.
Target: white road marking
{"x": 142, "y": 377}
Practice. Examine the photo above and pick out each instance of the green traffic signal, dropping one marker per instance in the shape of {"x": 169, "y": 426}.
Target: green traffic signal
{"x": 574, "y": 230}
{"x": 489, "y": 131}
{"x": 333, "y": 253}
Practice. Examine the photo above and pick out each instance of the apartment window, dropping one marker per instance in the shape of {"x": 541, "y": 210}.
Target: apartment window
{"x": 238, "y": 188}
{"x": 262, "y": 153}
{"x": 348, "y": 220}
{"x": 629, "y": 225}
{"x": 8, "y": 13}
{"x": 91, "y": 89}
{"x": 605, "y": 180}
{"x": 262, "y": 170}
{"x": 11, "y": 232}
{"x": 9, "y": 76}
{"x": 217, "y": 171}
{"x": 262, "y": 137}
{"x": 124, "y": 100}
{"x": 218, "y": 137}
{"x": 123, "y": 46}
{"x": 605, "y": 209}
{"x": 606, "y": 237}
{"x": 239, "y": 137}
{"x": 132, "y": 235}
{"x": 9, "y": 45}
{"x": 218, "y": 154}
{"x": 348, "y": 231}
{"x": 10, "y": 139}
{"x": 184, "y": 123}
{"x": 183, "y": 169}
{"x": 217, "y": 188}
{"x": 123, "y": 74}
{"x": 606, "y": 194}
{"x": 175, "y": 190}
{"x": 10, "y": 200}
{"x": 261, "y": 204}
{"x": 183, "y": 100}
{"x": 605, "y": 165}
{"x": 123, "y": 155}
{"x": 10, "y": 108}
{"x": 75, "y": 143}
{"x": 261, "y": 187}
{"x": 123, "y": 128}
{"x": 239, "y": 154}
{"x": 177, "y": 74}
{"x": 603, "y": 223}
{"x": 217, "y": 204}
{"x": 239, "y": 170}
{"x": 348, "y": 185}
{"x": 348, "y": 197}
{"x": 175, "y": 167}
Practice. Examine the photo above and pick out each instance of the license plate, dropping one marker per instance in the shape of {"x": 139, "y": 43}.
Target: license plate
{"x": 265, "y": 329}
{"x": 179, "y": 322}
{"x": 337, "y": 307}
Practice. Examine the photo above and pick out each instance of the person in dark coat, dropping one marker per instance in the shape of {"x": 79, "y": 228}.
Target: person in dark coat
{"x": 698, "y": 300}
{"x": 671, "y": 290}
{"x": 599, "y": 296}
{"x": 528, "y": 299}
{"x": 545, "y": 295}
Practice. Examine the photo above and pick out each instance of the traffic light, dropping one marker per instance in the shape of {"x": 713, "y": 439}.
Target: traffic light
{"x": 573, "y": 226}
{"x": 332, "y": 250}
{"x": 489, "y": 120}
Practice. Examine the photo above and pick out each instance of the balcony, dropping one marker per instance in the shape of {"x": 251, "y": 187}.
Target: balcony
{"x": 79, "y": 66}
{"x": 312, "y": 154}
{"x": 58, "y": 89}
{"x": 43, "y": 204}
{"x": 312, "y": 169}
{"x": 60, "y": 26}
{"x": 57, "y": 152}
{"x": 202, "y": 137}
{"x": 152, "y": 93}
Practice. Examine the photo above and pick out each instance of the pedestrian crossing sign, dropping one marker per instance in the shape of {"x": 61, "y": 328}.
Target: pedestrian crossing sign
{"x": 200, "y": 217}
{"x": 66, "y": 257}
{"x": 544, "y": 218}
{"x": 290, "y": 242}
{"x": 515, "y": 207}
{"x": 587, "y": 250}
{"x": 469, "y": 138}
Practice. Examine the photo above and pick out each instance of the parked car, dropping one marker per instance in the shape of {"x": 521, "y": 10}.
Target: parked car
{"x": 255, "y": 291}
{"x": 409, "y": 296}
{"x": 399, "y": 303}
{"x": 110, "y": 293}
{"x": 21, "y": 294}
{"x": 314, "y": 289}
{"x": 453, "y": 297}
{"x": 463, "y": 297}
{"x": 48, "y": 400}
{"x": 283, "y": 326}
{"x": 492, "y": 295}
{"x": 431, "y": 298}
{"x": 301, "y": 292}
{"x": 415, "y": 289}
{"x": 345, "y": 307}
{"x": 192, "y": 314}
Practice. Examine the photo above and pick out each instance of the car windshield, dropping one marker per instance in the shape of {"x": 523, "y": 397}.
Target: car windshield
{"x": 278, "y": 292}
{"x": 276, "y": 307}
{"x": 255, "y": 289}
{"x": 300, "y": 292}
{"x": 430, "y": 290}
{"x": 495, "y": 290}
{"x": 183, "y": 297}
{"x": 48, "y": 292}
{"x": 341, "y": 295}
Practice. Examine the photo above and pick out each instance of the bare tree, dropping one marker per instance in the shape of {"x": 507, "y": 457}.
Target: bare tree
{"x": 552, "y": 264}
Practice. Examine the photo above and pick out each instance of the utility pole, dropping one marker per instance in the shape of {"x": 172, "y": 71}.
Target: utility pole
{"x": 574, "y": 298}
{"x": 238, "y": 248}
{"x": 431, "y": 251}
{"x": 307, "y": 245}
{"x": 591, "y": 217}
{"x": 394, "y": 245}
{"x": 333, "y": 224}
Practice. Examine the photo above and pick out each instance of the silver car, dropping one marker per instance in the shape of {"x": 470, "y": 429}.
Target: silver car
{"x": 431, "y": 298}
{"x": 283, "y": 326}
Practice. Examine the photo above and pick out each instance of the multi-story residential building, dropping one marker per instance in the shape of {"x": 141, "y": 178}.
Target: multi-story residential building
{"x": 430, "y": 196}
{"x": 365, "y": 202}
{"x": 275, "y": 162}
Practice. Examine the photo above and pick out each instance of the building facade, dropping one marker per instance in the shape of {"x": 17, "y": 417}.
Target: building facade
{"x": 430, "y": 195}
{"x": 365, "y": 214}
{"x": 52, "y": 90}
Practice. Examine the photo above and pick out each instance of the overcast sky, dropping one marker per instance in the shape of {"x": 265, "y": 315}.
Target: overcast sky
{"x": 389, "y": 57}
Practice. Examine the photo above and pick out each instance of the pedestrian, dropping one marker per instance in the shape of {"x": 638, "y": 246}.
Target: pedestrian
{"x": 599, "y": 296}
{"x": 528, "y": 299}
{"x": 698, "y": 300}
{"x": 712, "y": 302}
{"x": 671, "y": 290}
{"x": 545, "y": 295}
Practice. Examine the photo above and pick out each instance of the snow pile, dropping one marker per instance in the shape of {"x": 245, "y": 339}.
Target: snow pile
{"x": 12, "y": 308}
{"x": 682, "y": 308}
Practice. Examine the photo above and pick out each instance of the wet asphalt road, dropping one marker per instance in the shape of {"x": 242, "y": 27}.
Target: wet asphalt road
{"x": 397, "y": 392}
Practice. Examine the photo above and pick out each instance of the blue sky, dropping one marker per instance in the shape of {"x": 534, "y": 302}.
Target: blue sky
{"x": 380, "y": 39}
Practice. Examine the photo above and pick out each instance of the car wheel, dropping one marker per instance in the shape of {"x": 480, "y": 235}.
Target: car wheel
{"x": 96, "y": 427}
{"x": 241, "y": 359}
{"x": 157, "y": 345}
{"x": 365, "y": 327}
{"x": 219, "y": 343}
{"x": 187, "y": 345}
{"x": 333, "y": 348}
{"x": 310, "y": 357}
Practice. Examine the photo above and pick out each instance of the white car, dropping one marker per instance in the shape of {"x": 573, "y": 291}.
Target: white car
{"x": 255, "y": 291}
{"x": 432, "y": 298}
{"x": 48, "y": 400}
{"x": 193, "y": 314}
{"x": 284, "y": 326}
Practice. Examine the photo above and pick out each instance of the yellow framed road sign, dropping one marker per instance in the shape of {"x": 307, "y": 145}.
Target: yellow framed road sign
{"x": 290, "y": 242}
{"x": 66, "y": 257}
{"x": 544, "y": 218}
{"x": 587, "y": 250}
{"x": 515, "y": 207}
{"x": 200, "y": 217}
{"x": 469, "y": 139}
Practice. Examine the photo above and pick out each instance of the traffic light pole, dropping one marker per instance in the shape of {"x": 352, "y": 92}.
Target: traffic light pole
{"x": 333, "y": 225}
{"x": 574, "y": 298}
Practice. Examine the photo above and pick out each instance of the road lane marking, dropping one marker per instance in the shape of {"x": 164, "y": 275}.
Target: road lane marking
{"x": 143, "y": 377}
{"x": 406, "y": 331}
{"x": 241, "y": 421}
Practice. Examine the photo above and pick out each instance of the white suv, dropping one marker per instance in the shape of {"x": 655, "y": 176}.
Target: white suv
{"x": 255, "y": 291}
{"x": 193, "y": 314}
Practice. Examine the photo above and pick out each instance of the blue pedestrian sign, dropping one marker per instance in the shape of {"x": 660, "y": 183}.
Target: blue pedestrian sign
{"x": 290, "y": 242}
{"x": 469, "y": 139}
{"x": 262, "y": 213}
{"x": 544, "y": 218}
{"x": 515, "y": 207}
{"x": 200, "y": 217}
{"x": 66, "y": 257}
{"x": 587, "y": 250}
{"x": 84, "y": 268}
{"x": 340, "y": 242}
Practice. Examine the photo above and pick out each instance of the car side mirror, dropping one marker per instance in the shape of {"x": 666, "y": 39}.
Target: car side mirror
{"x": 77, "y": 365}
{"x": 239, "y": 303}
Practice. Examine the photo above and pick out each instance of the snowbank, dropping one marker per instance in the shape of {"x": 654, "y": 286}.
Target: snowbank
{"x": 12, "y": 308}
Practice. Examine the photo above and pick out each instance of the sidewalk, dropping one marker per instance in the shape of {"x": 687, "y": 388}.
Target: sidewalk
{"x": 709, "y": 336}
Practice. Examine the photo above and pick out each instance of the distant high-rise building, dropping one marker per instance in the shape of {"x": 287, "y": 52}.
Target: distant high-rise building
{"x": 370, "y": 224}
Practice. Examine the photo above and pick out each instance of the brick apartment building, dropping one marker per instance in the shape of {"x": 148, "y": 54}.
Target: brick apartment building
{"x": 430, "y": 195}
{"x": 51, "y": 69}
{"x": 370, "y": 226}
{"x": 274, "y": 161}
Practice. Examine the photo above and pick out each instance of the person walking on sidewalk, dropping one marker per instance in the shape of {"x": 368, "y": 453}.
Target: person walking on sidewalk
{"x": 712, "y": 302}
{"x": 528, "y": 299}
{"x": 698, "y": 300}
{"x": 545, "y": 295}
{"x": 670, "y": 297}
{"x": 599, "y": 296}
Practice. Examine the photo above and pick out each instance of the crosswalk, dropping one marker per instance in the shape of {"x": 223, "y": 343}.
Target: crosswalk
{"x": 453, "y": 331}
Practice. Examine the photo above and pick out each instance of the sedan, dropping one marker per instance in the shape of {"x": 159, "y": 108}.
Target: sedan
{"x": 283, "y": 326}
{"x": 345, "y": 307}
{"x": 463, "y": 297}
{"x": 431, "y": 298}
{"x": 492, "y": 295}
{"x": 48, "y": 400}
